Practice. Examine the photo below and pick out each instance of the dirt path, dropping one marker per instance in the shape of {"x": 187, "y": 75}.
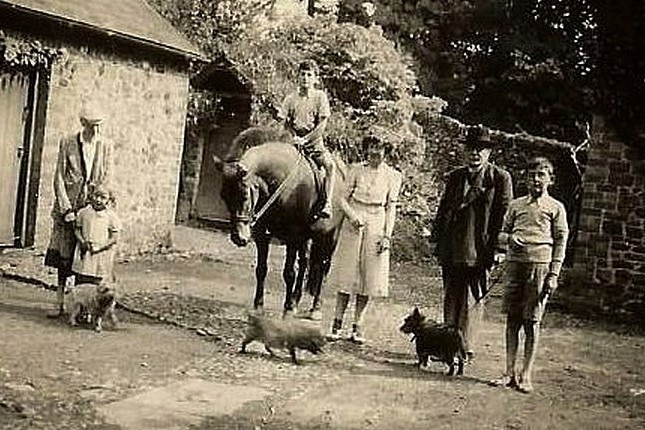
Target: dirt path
{"x": 54, "y": 377}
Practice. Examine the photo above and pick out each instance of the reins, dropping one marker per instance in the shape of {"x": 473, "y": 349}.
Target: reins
{"x": 277, "y": 192}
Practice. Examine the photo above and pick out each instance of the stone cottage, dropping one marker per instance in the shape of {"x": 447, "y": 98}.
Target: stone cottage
{"x": 55, "y": 56}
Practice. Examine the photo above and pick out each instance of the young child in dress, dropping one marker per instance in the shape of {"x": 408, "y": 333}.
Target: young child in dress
{"x": 97, "y": 231}
{"x": 535, "y": 230}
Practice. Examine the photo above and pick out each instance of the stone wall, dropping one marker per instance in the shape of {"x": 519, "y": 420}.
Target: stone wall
{"x": 609, "y": 270}
{"x": 145, "y": 106}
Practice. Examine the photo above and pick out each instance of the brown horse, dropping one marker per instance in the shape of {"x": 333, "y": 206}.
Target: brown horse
{"x": 271, "y": 192}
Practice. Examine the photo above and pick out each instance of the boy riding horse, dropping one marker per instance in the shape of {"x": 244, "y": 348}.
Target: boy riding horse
{"x": 305, "y": 113}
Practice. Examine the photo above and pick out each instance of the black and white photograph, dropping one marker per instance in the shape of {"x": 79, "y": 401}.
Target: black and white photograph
{"x": 322, "y": 214}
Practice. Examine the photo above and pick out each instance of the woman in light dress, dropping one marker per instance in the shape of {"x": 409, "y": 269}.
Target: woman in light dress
{"x": 361, "y": 263}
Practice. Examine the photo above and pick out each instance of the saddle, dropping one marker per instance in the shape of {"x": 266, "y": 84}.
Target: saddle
{"x": 319, "y": 180}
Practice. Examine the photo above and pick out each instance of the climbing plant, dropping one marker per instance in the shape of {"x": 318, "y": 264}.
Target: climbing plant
{"x": 26, "y": 53}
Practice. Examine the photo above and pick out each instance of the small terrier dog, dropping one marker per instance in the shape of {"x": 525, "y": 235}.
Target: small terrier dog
{"x": 435, "y": 341}
{"x": 290, "y": 334}
{"x": 95, "y": 301}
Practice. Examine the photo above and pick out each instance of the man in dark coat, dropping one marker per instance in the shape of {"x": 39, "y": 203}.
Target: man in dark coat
{"x": 468, "y": 222}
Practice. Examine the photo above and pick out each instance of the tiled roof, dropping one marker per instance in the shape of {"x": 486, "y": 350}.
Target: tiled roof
{"x": 133, "y": 19}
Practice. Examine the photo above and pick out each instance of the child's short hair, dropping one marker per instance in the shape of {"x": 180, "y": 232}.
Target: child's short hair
{"x": 308, "y": 65}
{"x": 537, "y": 163}
{"x": 102, "y": 190}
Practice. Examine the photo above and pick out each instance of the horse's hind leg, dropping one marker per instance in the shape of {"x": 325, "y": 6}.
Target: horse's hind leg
{"x": 289, "y": 276}
{"x": 261, "y": 268}
{"x": 320, "y": 263}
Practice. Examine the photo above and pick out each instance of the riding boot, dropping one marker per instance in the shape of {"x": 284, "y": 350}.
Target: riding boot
{"x": 361, "y": 304}
{"x": 342, "y": 300}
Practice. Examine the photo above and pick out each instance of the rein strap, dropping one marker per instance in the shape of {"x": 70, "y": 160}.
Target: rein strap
{"x": 277, "y": 192}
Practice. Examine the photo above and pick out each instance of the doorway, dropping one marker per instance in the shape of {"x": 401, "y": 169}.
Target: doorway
{"x": 17, "y": 117}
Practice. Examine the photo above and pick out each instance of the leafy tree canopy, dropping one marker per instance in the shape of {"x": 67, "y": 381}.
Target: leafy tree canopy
{"x": 370, "y": 83}
{"x": 515, "y": 65}
{"x": 543, "y": 66}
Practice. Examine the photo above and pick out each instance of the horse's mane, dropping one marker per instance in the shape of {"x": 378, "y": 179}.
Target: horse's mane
{"x": 252, "y": 137}
{"x": 259, "y": 143}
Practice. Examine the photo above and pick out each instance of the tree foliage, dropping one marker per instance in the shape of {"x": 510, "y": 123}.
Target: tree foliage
{"x": 515, "y": 65}
{"x": 619, "y": 70}
{"x": 370, "y": 83}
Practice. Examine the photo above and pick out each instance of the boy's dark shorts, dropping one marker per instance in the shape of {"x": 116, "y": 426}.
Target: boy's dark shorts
{"x": 524, "y": 287}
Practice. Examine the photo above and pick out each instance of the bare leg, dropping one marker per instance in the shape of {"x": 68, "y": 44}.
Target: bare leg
{"x": 513, "y": 326}
{"x": 532, "y": 332}
{"x": 60, "y": 294}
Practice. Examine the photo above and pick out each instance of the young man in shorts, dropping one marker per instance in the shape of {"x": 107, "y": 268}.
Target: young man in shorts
{"x": 536, "y": 231}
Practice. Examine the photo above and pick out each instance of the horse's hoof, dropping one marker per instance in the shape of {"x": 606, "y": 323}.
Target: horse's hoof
{"x": 288, "y": 313}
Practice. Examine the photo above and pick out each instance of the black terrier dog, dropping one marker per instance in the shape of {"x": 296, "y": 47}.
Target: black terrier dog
{"x": 435, "y": 341}
{"x": 290, "y": 334}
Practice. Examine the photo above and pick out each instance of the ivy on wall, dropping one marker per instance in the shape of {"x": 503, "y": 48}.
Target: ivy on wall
{"x": 27, "y": 54}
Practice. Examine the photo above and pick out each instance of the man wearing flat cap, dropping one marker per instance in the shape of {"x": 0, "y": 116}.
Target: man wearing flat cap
{"x": 84, "y": 161}
{"x": 468, "y": 222}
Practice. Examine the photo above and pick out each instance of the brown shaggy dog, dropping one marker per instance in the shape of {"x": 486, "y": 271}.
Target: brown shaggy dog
{"x": 97, "y": 301}
{"x": 438, "y": 342}
{"x": 289, "y": 334}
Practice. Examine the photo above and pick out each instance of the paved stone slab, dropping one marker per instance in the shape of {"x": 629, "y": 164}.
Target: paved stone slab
{"x": 179, "y": 405}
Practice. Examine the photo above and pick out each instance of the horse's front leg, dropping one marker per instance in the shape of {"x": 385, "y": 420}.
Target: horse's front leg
{"x": 261, "y": 269}
{"x": 303, "y": 266}
{"x": 289, "y": 276}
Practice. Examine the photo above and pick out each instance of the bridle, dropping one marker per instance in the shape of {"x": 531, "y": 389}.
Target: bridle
{"x": 245, "y": 214}
{"x": 252, "y": 218}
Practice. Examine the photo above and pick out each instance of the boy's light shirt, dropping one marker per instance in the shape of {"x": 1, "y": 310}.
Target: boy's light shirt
{"x": 536, "y": 230}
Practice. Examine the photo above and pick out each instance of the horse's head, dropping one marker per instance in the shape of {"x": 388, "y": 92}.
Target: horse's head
{"x": 240, "y": 193}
